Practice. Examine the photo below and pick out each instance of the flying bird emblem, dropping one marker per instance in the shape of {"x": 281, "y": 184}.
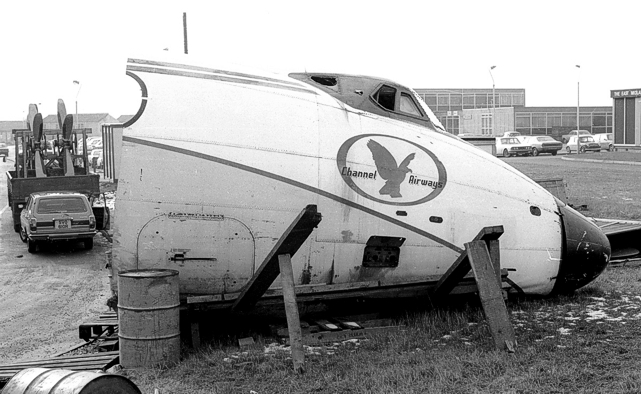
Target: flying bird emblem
{"x": 388, "y": 169}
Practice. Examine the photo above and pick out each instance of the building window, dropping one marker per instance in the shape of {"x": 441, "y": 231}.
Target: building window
{"x": 554, "y": 120}
{"x": 518, "y": 100}
{"x": 486, "y": 124}
{"x": 481, "y": 100}
{"x": 569, "y": 119}
{"x": 468, "y": 101}
{"x": 443, "y": 102}
{"x": 523, "y": 121}
{"x": 430, "y": 100}
{"x": 538, "y": 120}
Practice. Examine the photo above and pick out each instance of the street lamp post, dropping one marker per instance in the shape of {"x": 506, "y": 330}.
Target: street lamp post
{"x": 77, "y": 93}
{"x": 578, "y": 145}
{"x": 493, "y": 100}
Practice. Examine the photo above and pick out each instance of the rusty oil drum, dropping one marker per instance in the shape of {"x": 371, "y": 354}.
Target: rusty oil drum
{"x": 148, "y": 318}
{"x": 64, "y": 381}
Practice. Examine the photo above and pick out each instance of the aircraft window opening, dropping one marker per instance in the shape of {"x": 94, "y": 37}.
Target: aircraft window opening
{"x": 326, "y": 81}
{"x": 382, "y": 251}
{"x": 536, "y": 211}
{"x": 408, "y": 105}
{"x": 386, "y": 97}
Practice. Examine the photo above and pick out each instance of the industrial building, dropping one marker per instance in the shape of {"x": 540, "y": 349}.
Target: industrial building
{"x": 627, "y": 118}
{"x": 492, "y": 112}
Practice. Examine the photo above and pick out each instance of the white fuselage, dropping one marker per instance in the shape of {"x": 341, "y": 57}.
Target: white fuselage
{"x": 220, "y": 163}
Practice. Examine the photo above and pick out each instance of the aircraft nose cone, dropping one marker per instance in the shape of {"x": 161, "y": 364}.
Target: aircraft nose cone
{"x": 586, "y": 251}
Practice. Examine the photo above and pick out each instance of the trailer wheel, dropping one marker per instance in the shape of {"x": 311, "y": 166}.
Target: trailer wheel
{"x": 32, "y": 246}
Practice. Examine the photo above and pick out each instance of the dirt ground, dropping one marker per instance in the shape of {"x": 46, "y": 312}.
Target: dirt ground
{"x": 45, "y": 296}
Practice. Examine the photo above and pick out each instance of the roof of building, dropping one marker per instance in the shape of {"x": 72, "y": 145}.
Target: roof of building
{"x": 12, "y": 124}
{"x": 83, "y": 118}
{"x": 124, "y": 118}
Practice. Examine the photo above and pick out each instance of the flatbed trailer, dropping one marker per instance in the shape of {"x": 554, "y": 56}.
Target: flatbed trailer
{"x": 19, "y": 189}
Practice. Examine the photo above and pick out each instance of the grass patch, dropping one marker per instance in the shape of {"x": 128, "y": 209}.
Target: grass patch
{"x": 585, "y": 342}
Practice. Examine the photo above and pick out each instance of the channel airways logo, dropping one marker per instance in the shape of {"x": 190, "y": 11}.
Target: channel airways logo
{"x": 367, "y": 163}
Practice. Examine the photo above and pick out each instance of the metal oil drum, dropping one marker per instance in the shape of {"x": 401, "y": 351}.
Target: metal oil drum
{"x": 64, "y": 381}
{"x": 148, "y": 318}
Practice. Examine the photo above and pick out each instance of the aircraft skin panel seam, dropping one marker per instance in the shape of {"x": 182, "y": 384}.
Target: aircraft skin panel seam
{"x": 296, "y": 184}
{"x": 221, "y": 78}
{"x": 212, "y": 70}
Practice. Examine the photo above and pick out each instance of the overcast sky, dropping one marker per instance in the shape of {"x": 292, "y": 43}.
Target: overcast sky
{"x": 535, "y": 45}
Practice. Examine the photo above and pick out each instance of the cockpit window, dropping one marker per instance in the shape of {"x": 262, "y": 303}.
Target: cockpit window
{"x": 386, "y": 97}
{"x": 326, "y": 81}
{"x": 408, "y": 105}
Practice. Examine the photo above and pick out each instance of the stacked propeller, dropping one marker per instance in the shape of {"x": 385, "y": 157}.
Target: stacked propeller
{"x": 66, "y": 125}
{"x": 34, "y": 121}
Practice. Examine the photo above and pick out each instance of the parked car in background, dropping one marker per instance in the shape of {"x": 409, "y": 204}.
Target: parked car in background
{"x": 4, "y": 151}
{"x": 586, "y": 143}
{"x": 511, "y": 146}
{"x": 95, "y": 158}
{"x": 542, "y": 144}
{"x": 56, "y": 216}
{"x": 566, "y": 137}
{"x": 605, "y": 140}
{"x": 511, "y": 134}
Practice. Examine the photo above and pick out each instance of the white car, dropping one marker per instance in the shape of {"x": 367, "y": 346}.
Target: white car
{"x": 586, "y": 144}
{"x": 512, "y": 146}
{"x": 542, "y": 144}
{"x": 605, "y": 140}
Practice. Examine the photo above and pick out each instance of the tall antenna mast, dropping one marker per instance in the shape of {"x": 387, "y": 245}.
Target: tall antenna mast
{"x": 185, "y": 30}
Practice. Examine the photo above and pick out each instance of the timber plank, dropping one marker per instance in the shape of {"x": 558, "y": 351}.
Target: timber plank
{"x": 491, "y": 296}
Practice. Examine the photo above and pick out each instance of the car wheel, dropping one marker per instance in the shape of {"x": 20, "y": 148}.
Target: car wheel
{"x": 32, "y": 246}
{"x": 535, "y": 152}
{"x": 582, "y": 150}
{"x": 554, "y": 153}
{"x": 506, "y": 153}
{"x": 23, "y": 234}
{"x": 610, "y": 148}
{"x": 88, "y": 243}
{"x": 567, "y": 148}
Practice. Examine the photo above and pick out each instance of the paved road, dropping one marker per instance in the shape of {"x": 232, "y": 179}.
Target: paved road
{"x": 45, "y": 296}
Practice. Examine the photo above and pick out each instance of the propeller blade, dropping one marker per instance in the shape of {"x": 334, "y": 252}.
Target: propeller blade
{"x": 62, "y": 113}
{"x": 37, "y": 127}
{"x": 67, "y": 127}
{"x": 33, "y": 110}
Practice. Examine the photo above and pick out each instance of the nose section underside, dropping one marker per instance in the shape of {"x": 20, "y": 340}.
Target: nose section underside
{"x": 586, "y": 251}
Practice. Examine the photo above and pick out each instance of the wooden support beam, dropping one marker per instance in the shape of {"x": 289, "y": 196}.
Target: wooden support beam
{"x": 291, "y": 310}
{"x": 462, "y": 266}
{"x": 289, "y": 243}
{"x": 491, "y": 296}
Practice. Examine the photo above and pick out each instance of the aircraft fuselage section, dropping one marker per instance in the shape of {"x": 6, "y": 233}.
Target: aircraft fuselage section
{"x": 209, "y": 193}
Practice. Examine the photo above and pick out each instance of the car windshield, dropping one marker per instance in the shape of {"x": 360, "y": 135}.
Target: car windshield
{"x": 546, "y": 139}
{"x": 586, "y": 139}
{"x": 61, "y": 205}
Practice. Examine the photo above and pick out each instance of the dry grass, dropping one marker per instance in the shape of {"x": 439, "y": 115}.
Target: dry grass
{"x": 583, "y": 343}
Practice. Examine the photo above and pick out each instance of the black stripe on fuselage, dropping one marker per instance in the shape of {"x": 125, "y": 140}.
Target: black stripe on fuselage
{"x": 296, "y": 184}
{"x": 212, "y": 70}
{"x": 255, "y": 80}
